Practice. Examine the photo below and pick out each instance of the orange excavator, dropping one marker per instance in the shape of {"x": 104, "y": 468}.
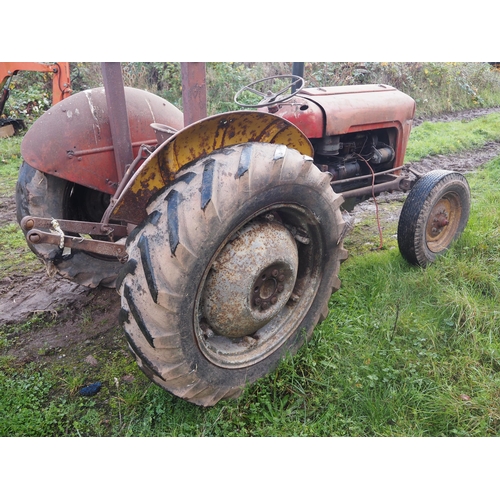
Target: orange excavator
{"x": 61, "y": 84}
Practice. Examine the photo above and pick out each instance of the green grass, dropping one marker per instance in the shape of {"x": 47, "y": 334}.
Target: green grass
{"x": 403, "y": 352}
{"x": 10, "y": 159}
{"x": 15, "y": 255}
{"x": 452, "y": 137}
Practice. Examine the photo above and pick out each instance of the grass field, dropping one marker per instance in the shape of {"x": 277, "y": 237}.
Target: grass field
{"x": 404, "y": 351}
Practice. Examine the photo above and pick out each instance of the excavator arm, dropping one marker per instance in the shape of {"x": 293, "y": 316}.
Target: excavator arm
{"x": 60, "y": 78}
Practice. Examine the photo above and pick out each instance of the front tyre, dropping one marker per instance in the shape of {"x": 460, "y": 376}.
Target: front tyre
{"x": 433, "y": 216}
{"x": 231, "y": 270}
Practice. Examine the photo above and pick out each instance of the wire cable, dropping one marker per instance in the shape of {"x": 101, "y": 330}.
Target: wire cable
{"x": 375, "y": 201}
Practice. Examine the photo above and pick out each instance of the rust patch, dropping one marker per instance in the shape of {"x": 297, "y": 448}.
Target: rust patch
{"x": 197, "y": 141}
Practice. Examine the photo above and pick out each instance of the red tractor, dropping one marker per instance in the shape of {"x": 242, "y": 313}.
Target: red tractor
{"x": 222, "y": 236}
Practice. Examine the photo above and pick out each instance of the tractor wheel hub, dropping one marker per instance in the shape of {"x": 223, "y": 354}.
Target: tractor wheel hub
{"x": 251, "y": 280}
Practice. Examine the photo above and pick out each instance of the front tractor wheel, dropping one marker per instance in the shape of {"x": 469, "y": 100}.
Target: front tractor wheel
{"x": 433, "y": 216}
{"x": 231, "y": 270}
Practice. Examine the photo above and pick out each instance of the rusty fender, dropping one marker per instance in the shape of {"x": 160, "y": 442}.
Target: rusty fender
{"x": 196, "y": 141}
{"x": 72, "y": 140}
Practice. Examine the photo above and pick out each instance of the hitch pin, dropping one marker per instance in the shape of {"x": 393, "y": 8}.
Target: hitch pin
{"x": 59, "y": 231}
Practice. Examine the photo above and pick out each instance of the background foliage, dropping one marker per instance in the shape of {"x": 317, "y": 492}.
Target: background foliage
{"x": 437, "y": 87}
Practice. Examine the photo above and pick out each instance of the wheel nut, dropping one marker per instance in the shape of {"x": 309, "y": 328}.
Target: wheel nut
{"x": 275, "y": 272}
{"x": 281, "y": 277}
{"x": 265, "y": 305}
{"x": 257, "y": 301}
{"x": 280, "y": 288}
{"x": 274, "y": 299}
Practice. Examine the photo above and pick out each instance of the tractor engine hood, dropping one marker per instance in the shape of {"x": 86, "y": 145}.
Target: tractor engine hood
{"x": 355, "y": 108}
{"x": 336, "y": 111}
{"x": 347, "y": 109}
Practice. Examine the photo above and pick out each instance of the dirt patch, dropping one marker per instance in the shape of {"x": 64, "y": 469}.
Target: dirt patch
{"x": 77, "y": 319}
{"x": 52, "y": 319}
{"x": 467, "y": 161}
{"x": 7, "y": 210}
{"x": 23, "y": 296}
{"x": 72, "y": 323}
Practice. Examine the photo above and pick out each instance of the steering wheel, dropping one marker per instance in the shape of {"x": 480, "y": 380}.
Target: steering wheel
{"x": 269, "y": 96}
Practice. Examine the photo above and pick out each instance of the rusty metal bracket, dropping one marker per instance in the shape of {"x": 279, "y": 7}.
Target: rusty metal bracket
{"x": 194, "y": 92}
{"x": 99, "y": 247}
{"x": 38, "y": 232}
{"x": 144, "y": 152}
{"x": 118, "y": 117}
{"x": 393, "y": 183}
{"x": 116, "y": 231}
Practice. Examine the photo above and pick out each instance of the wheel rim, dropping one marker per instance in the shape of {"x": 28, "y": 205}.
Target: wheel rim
{"x": 239, "y": 322}
{"x": 443, "y": 222}
{"x": 251, "y": 280}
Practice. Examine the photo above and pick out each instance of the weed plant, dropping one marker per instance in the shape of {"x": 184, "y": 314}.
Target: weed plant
{"x": 437, "y": 87}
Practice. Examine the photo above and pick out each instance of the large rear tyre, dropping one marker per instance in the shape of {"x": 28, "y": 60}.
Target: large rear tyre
{"x": 433, "y": 216}
{"x": 231, "y": 270}
{"x": 42, "y": 195}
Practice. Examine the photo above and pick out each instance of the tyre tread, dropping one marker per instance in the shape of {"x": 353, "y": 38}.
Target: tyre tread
{"x": 412, "y": 221}
{"x": 42, "y": 195}
{"x": 218, "y": 186}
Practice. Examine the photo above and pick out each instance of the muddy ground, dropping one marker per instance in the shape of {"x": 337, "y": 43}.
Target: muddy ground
{"x": 73, "y": 321}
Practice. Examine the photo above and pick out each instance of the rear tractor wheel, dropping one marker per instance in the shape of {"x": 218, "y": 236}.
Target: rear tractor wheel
{"x": 231, "y": 270}
{"x": 43, "y": 195}
{"x": 433, "y": 216}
